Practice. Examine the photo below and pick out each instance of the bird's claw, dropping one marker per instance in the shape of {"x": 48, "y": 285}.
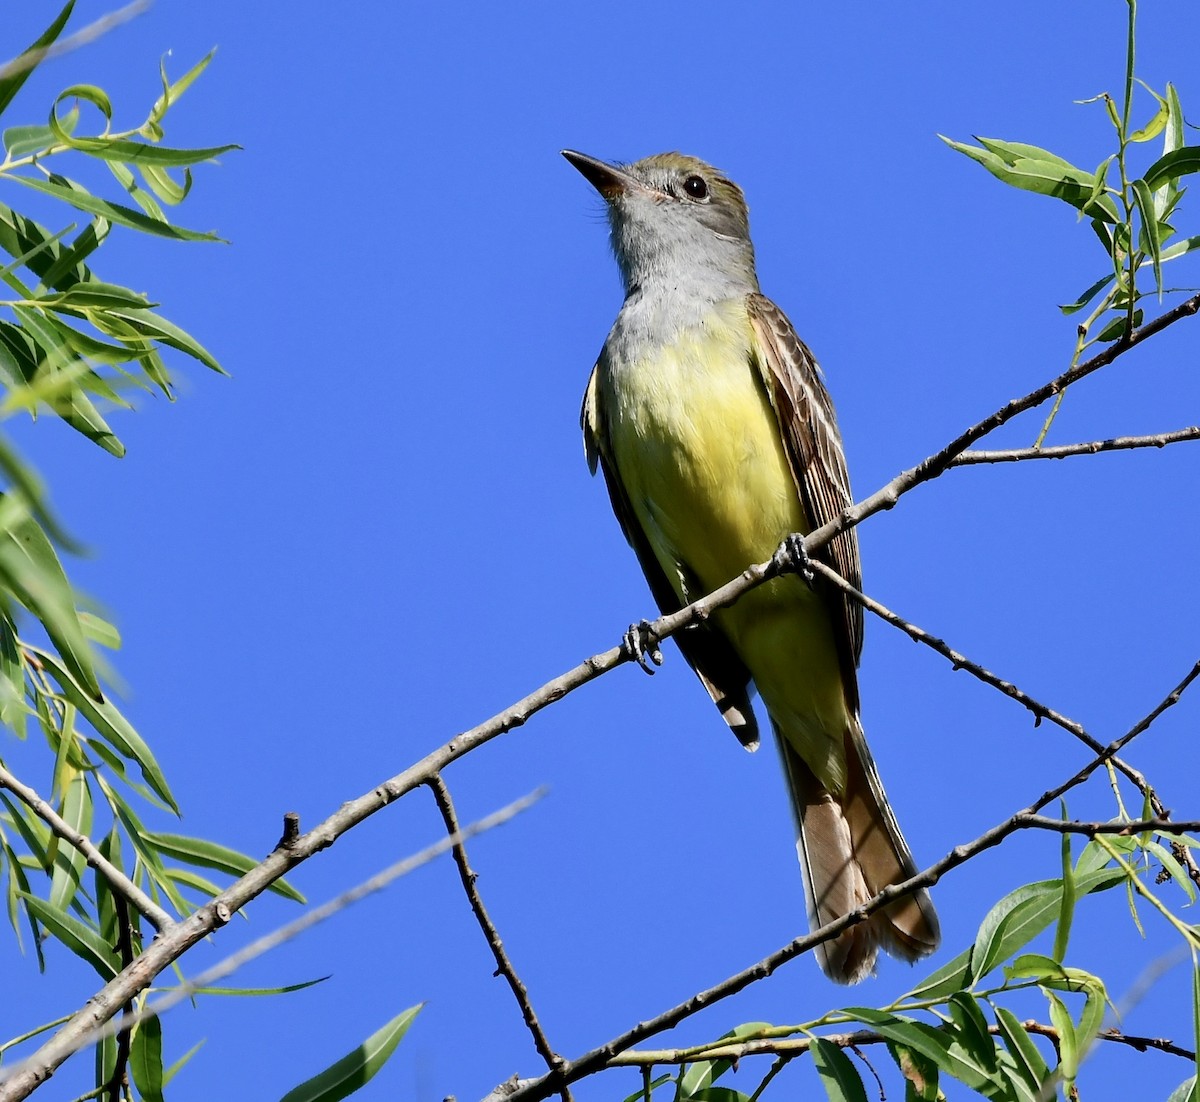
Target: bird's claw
{"x": 792, "y": 558}
{"x": 640, "y": 643}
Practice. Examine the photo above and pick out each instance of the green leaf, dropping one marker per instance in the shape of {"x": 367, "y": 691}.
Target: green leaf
{"x": 113, "y": 727}
{"x": 1196, "y": 1020}
{"x": 931, "y": 1043}
{"x": 17, "y": 886}
{"x": 940, "y": 983}
{"x": 89, "y": 93}
{"x": 256, "y": 992}
{"x": 920, "y": 1074}
{"x": 1172, "y": 868}
{"x": 146, "y": 1059}
{"x": 83, "y": 941}
{"x": 149, "y": 324}
{"x": 1066, "y": 913}
{"x": 839, "y": 1076}
{"x": 30, "y": 570}
{"x": 39, "y": 249}
{"x": 211, "y": 855}
{"x": 100, "y": 631}
{"x": 69, "y": 863}
{"x": 1091, "y": 1019}
{"x": 1028, "y": 1060}
{"x": 1068, "y": 1045}
{"x": 179, "y": 1064}
{"x": 1149, "y": 238}
{"x": 1156, "y": 125}
{"x": 71, "y": 193}
{"x": 356, "y": 1068}
{"x": 20, "y": 140}
{"x": 1032, "y": 169}
{"x": 163, "y": 184}
{"x": 106, "y": 910}
{"x": 973, "y": 1030}
{"x": 92, "y": 292}
{"x": 141, "y": 153}
{"x": 11, "y": 85}
{"x": 719, "y": 1094}
{"x": 1095, "y": 857}
{"x": 1088, "y": 295}
{"x": 1179, "y": 248}
{"x": 1170, "y": 166}
{"x": 59, "y": 378}
{"x": 1024, "y": 913}
{"x": 12, "y": 678}
{"x": 172, "y": 92}
{"x": 106, "y": 1059}
{"x": 1115, "y": 329}
{"x": 1014, "y": 922}
{"x": 1185, "y": 1092}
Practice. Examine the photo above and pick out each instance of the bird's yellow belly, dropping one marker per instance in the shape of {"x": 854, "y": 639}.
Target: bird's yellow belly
{"x": 701, "y": 456}
{"x": 700, "y": 453}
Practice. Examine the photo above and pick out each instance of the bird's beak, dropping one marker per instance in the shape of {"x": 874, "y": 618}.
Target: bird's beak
{"x": 607, "y": 179}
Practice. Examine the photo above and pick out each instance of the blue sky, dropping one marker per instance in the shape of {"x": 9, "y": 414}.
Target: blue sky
{"x": 381, "y": 529}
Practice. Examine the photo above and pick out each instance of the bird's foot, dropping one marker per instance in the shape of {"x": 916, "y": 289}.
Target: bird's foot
{"x": 641, "y": 644}
{"x": 792, "y": 558}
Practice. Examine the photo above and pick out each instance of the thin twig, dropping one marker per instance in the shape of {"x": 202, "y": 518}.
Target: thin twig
{"x": 26, "y": 1075}
{"x": 962, "y": 662}
{"x": 1125, "y": 829}
{"x": 531, "y": 1090}
{"x": 117, "y": 880}
{"x": 1063, "y": 451}
{"x": 504, "y": 966}
{"x": 795, "y": 1046}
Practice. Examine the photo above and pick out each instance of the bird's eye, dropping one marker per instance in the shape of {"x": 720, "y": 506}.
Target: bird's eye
{"x": 696, "y": 187}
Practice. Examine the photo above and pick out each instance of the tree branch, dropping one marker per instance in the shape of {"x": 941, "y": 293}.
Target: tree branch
{"x": 504, "y": 966}
{"x": 1062, "y": 451}
{"x": 117, "y": 880}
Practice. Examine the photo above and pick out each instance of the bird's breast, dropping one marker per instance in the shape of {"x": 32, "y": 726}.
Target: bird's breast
{"x": 697, "y": 444}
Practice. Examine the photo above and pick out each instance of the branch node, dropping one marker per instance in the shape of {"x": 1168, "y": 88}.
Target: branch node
{"x": 291, "y": 830}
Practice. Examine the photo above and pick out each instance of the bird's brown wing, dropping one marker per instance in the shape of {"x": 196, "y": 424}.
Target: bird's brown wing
{"x": 814, "y": 449}
{"x": 705, "y": 648}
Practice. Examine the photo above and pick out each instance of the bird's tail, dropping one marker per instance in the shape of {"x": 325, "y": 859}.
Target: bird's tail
{"x": 850, "y": 849}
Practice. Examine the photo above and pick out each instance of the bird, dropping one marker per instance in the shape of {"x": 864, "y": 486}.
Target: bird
{"x": 717, "y": 439}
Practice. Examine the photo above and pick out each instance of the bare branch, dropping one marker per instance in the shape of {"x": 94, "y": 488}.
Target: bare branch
{"x": 962, "y": 662}
{"x": 1091, "y": 447}
{"x": 504, "y": 966}
{"x": 1125, "y": 829}
{"x": 117, "y": 880}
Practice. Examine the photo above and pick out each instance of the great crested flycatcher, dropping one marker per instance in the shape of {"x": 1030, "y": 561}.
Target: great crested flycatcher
{"x": 717, "y": 438}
